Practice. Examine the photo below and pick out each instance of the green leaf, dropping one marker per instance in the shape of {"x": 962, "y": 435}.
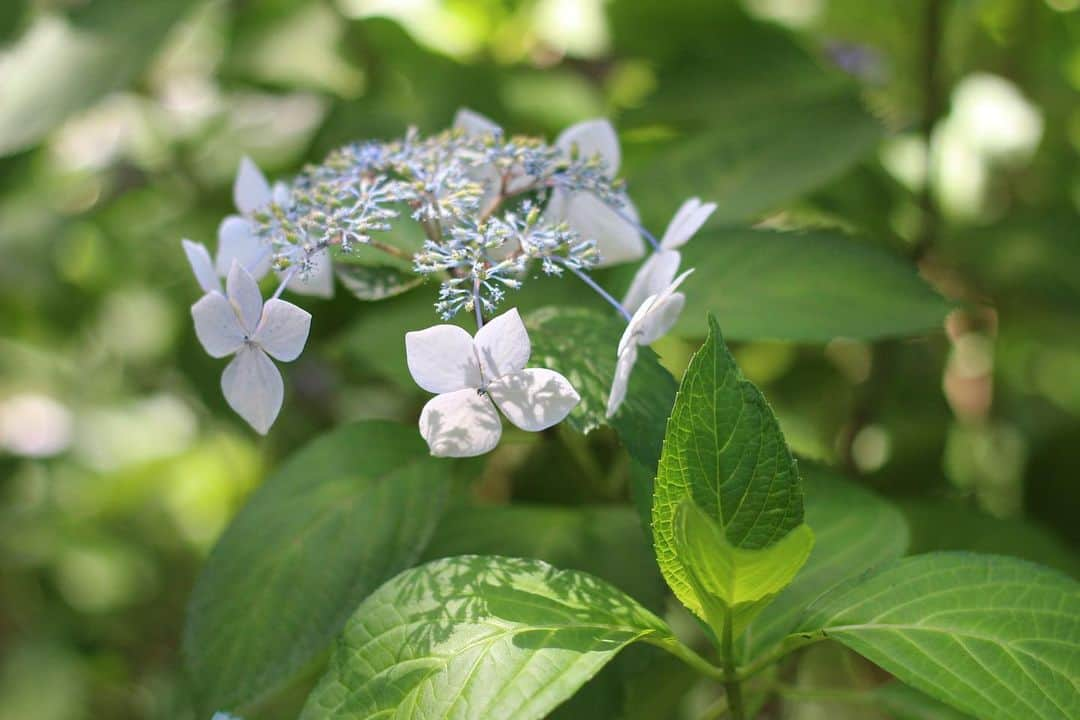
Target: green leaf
{"x": 376, "y": 282}
{"x": 605, "y": 541}
{"x": 59, "y": 68}
{"x": 904, "y": 702}
{"x": 724, "y": 452}
{"x": 854, "y": 531}
{"x": 807, "y": 286}
{"x": 734, "y": 581}
{"x": 581, "y": 344}
{"x": 340, "y": 517}
{"x": 760, "y": 155}
{"x": 477, "y": 637}
{"x": 995, "y": 637}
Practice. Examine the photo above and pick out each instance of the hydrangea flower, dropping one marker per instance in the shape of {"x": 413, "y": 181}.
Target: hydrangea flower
{"x": 238, "y": 323}
{"x": 652, "y": 320}
{"x": 660, "y": 269}
{"x": 473, "y": 376}
{"x": 237, "y": 237}
{"x": 614, "y": 230}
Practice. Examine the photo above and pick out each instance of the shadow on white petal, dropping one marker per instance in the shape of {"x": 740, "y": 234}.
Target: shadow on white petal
{"x": 216, "y": 325}
{"x": 617, "y": 240}
{"x": 662, "y": 318}
{"x": 237, "y": 241}
{"x": 534, "y": 399}
{"x": 463, "y": 423}
{"x": 624, "y": 367}
{"x": 253, "y": 388}
{"x": 652, "y": 277}
{"x": 283, "y": 329}
{"x": 503, "y": 345}
{"x": 442, "y": 359}
{"x": 244, "y": 294}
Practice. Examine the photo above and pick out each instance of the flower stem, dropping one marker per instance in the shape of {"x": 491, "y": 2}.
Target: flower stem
{"x": 640, "y": 228}
{"x": 284, "y": 281}
{"x": 732, "y": 684}
{"x": 476, "y": 303}
{"x": 600, "y": 291}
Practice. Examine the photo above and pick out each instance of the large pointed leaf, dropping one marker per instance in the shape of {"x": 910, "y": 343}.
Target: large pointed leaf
{"x": 342, "y": 516}
{"x": 582, "y": 345}
{"x": 854, "y": 530}
{"x": 809, "y": 286}
{"x": 473, "y": 638}
{"x": 604, "y": 540}
{"x": 733, "y": 584}
{"x": 995, "y": 637}
{"x": 724, "y": 452}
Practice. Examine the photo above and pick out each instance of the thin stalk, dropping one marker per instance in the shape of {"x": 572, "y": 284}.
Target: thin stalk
{"x": 476, "y": 303}
{"x": 600, "y": 291}
{"x": 284, "y": 281}
{"x": 732, "y": 684}
{"x": 640, "y": 228}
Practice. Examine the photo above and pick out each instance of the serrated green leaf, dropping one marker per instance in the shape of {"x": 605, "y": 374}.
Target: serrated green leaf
{"x": 724, "y": 452}
{"x": 581, "y": 344}
{"x": 605, "y": 541}
{"x": 340, "y": 517}
{"x": 376, "y": 282}
{"x": 806, "y": 286}
{"x": 734, "y": 581}
{"x": 854, "y": 531}
{"x": 995, "y": 637}
{"x": 475, "y": 637}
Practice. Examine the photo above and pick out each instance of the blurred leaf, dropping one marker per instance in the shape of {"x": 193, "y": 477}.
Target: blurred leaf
{"x": 375, "y": 282}
{"x": 992, "y": 636}
{"x": 479, "y": 637}
{"x": 581, "y": 344}
{"x": 59, "y": 68}
{"x": 605, "y": 541}
{"x": 854, "y": 530}
{"x": 724, "y": 452}
{"x": 904, "y": 702}
{"x": 807, "y": 286}
{"x": 340, "y": 517}
{"x": 939, "y": 525}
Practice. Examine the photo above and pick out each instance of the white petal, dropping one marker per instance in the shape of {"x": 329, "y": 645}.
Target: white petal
{"x": 652, "y": 277}
{"x": 201, "y": 265}
{"x": 244, "y": 294}
{"x": 319, "y": 282}
{"x": 534, "y": 399}
{"x": 617, "y": 240}
{"x": 216, "y": 325}
{"x": 237, "y": 241}
{"x": 661, "y": 318}
{"x": 623, "y": 369}
{"x": 253, "y": 388}
{"x": 687, "y": 221}
{"x": 250, "y": 189}
{"x": 503, "y": 345}
{"x": 637, "y": 321}
{"x": 460, "y": 424}
{"x": 592, "y": 137}
{"x": 442, "y": 359}
{"x": 280, "y": 194}
{"x": 283, "y": 329}
{"x": 474, "y": 124}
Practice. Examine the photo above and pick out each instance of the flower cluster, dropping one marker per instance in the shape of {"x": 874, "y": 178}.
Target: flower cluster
{"x": 491, "y": 207}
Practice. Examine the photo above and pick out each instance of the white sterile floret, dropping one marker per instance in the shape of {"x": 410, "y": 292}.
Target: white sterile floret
{"x": 239, "y": 323}
{"x": 617, "y": 238}
{"x": 652, "y": 320}
{"x": 473, "y": 376}
{"x": 237, "y": 238}
{"x": 659, "y": 270}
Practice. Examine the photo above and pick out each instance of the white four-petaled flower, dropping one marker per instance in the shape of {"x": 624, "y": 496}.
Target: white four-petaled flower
{"x": 237, "y": 239}
{"x": 660, "y": 269}
{"x": 474, "y": 375}
{"x": 239, "y": 323}
{"x": 652, "y": 320}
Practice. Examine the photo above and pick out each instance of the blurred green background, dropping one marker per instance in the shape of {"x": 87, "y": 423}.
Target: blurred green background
{"x": 948, "y": 131}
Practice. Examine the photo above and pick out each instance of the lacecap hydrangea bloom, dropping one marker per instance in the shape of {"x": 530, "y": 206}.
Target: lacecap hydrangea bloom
{"x": 494, "y": 210}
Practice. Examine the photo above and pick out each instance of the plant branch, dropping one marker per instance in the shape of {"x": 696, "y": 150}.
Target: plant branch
{"x": 732, "y": 683}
